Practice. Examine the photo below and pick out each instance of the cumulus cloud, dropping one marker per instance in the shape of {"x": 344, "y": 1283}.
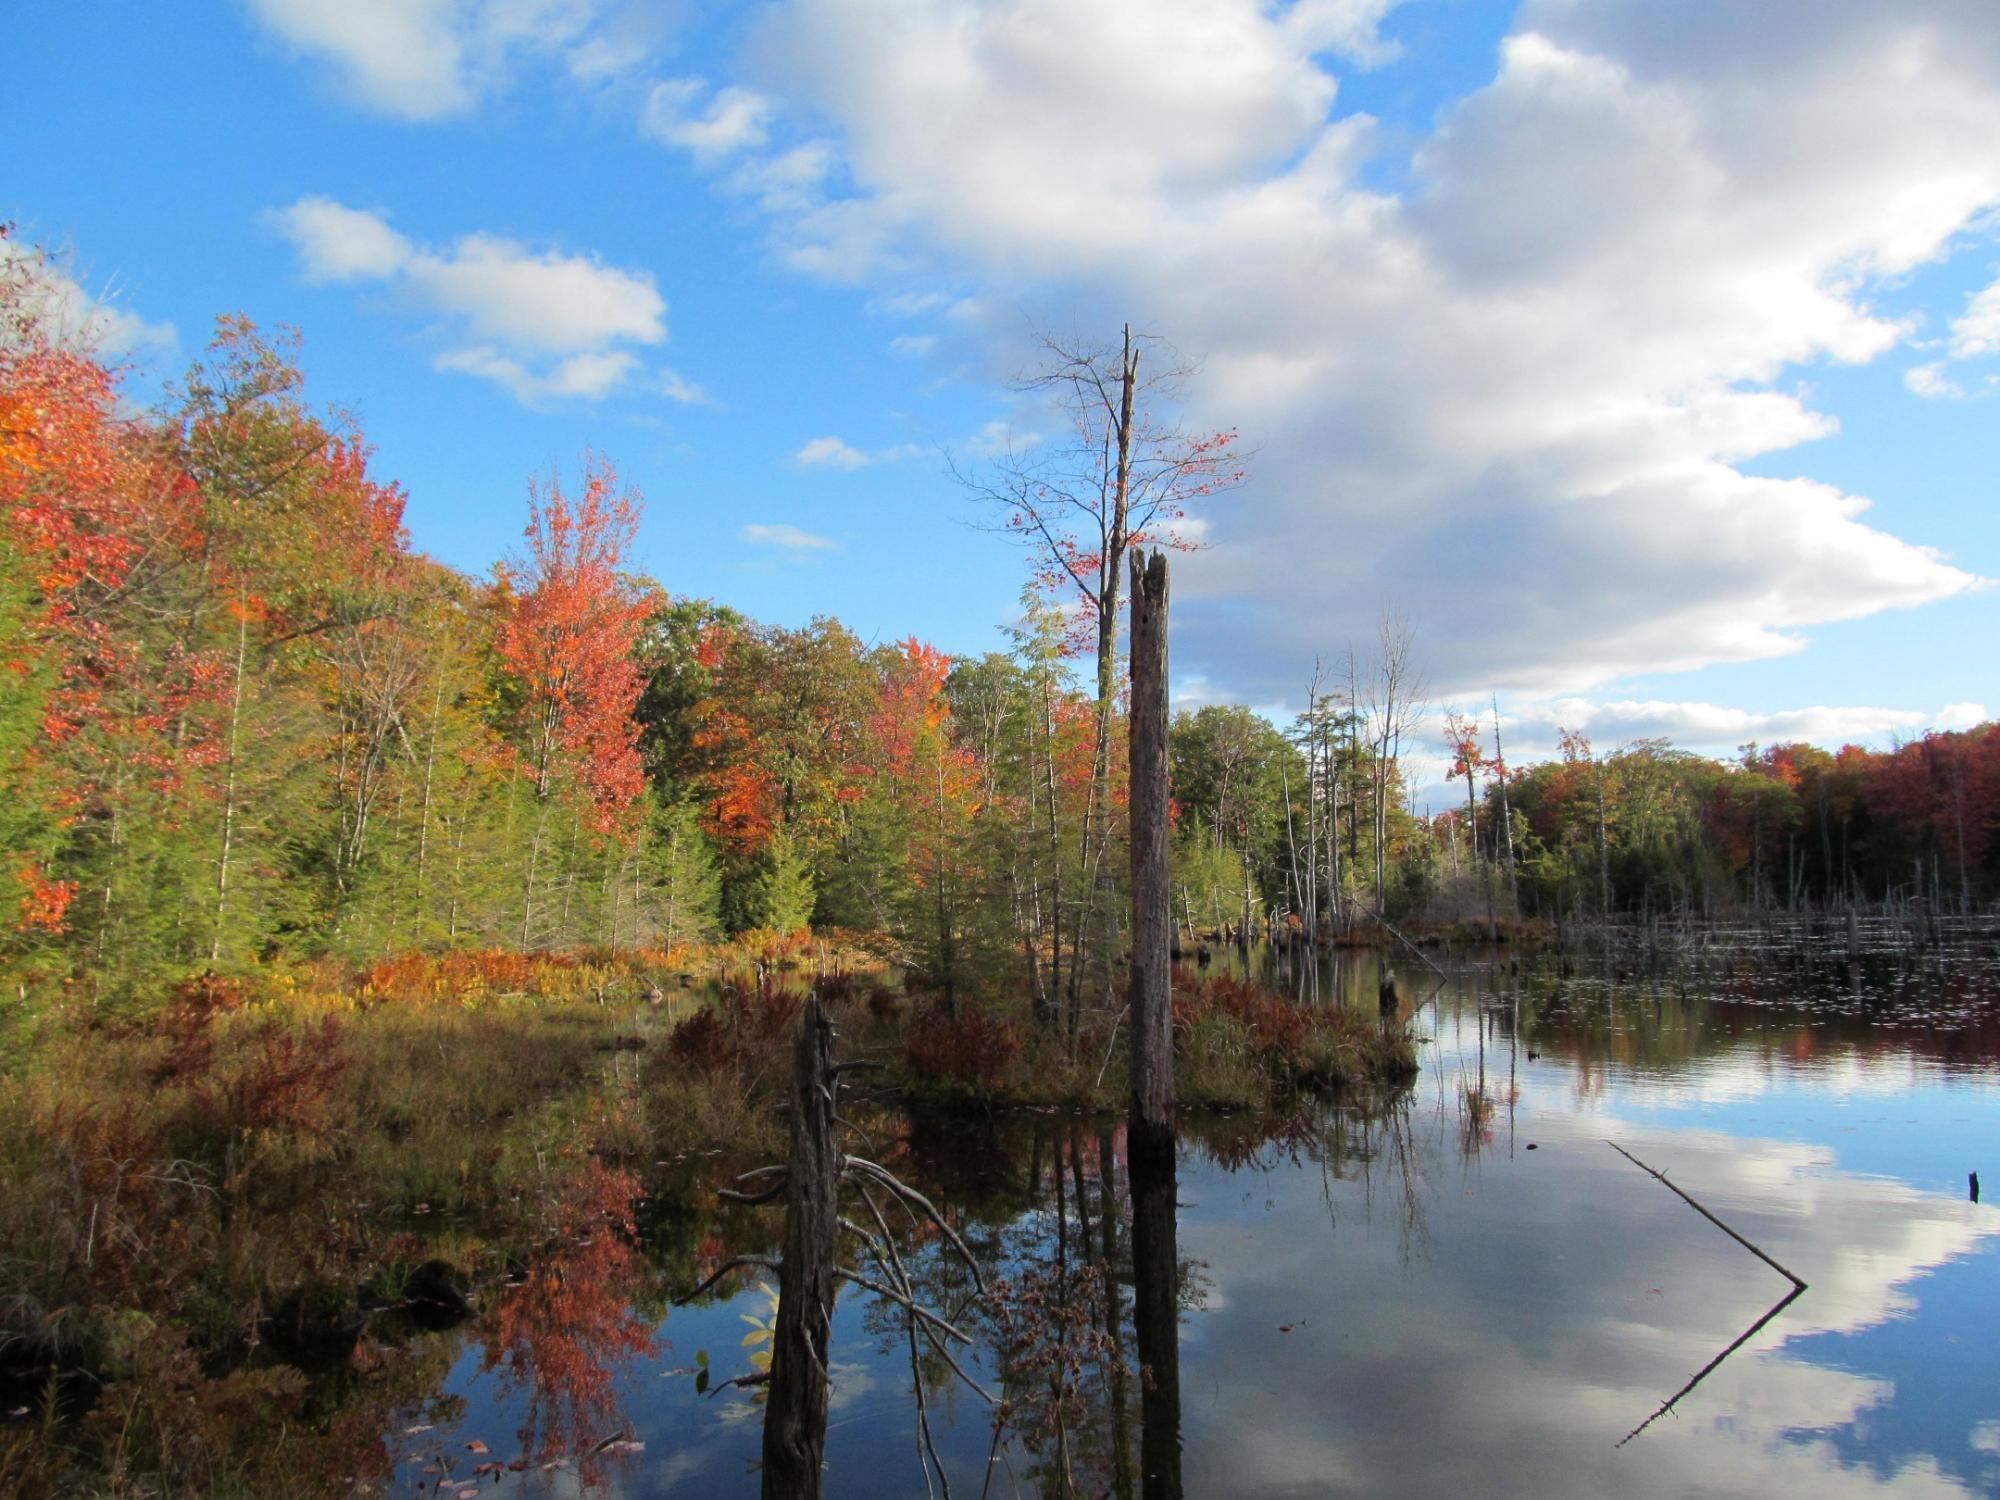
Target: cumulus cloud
{"x": 557, "y": 319}
{"x": 789, "y": 538}
{"x": 432, "y": 59}
{"x": 544, "y": 300}
{"x": 997, "y": 438}
{"x": 1518, "y": 390}
{"x": 830, "y": 453}
{"x": 341, "y": 244}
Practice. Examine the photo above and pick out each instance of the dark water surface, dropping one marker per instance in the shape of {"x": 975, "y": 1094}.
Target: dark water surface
{"x": 1461, "y": 1291}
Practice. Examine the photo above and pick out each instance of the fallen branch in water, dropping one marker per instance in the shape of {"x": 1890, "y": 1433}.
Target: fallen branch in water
{"x": 1798, "y": 1290}
{"x": 1685, "y": 1198}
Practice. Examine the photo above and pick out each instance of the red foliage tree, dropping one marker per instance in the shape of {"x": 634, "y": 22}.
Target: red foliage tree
{"x": 571, "y": 621}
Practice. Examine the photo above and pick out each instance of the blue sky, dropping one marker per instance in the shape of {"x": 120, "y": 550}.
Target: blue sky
{"x": 1576, "y": 331}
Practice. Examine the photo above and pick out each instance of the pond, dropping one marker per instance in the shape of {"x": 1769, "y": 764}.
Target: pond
{"x": 1463, "y": 1289}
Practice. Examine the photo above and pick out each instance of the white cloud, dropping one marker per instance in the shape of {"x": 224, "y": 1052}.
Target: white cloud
{"x": 402, "y": 57}
{"x": 546, "y": 301}
{"x": 339, "y": 244}
{"x": 1931, "y": 382}
{"x": 732, "y": 120}
{"x": 1517, "y": 391}
{"x": 909, "y": 304}
{"x": 676, "y": 387}
{"x": 999, "y": 437}
{"x": 433, "y": 59}
{"x": 830, "y": 453}
{"x": 1976, "y": 331}
{"x": 579, "y": 377}
{"x": 71, "y": 315}
{"x": 913, "y": 345}
{"x": 1531, "y": 725}
{"x": 545, "y": 325}
{"x": 790, "y": 538}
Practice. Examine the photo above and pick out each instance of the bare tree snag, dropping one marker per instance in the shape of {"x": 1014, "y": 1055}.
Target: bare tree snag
{"x": 1152, "y": 895}
{"x": 795, "y": 1419}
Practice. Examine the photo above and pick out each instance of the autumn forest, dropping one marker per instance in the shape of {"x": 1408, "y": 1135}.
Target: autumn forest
{"x": 392, "y": 951}
{"x": 247, "y": 723}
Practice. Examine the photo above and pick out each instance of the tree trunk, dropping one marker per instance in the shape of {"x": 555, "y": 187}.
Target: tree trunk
{"x": 795, "y": 1418}
{"x": 1506, "y": 816}
{"x": 229, "y": 791}
{"x": 1152, "y": 909}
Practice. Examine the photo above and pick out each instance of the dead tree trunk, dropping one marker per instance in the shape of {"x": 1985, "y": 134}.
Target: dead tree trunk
{"x": 1152, "y": 908}
{"x": 795, "y": 1419}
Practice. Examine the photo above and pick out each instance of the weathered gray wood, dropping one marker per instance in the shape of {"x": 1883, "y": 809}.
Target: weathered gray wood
{"x": 795, "y": 1418}
{"x": 1152, "y": 896}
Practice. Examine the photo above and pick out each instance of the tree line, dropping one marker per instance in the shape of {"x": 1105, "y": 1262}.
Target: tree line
{"x": 246, "y": 721}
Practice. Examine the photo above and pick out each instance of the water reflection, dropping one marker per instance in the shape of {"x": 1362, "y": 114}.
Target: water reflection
{"x": 560, "y": 1332}
{"x": 1462, "y": 1289}
{"x": 1156, "y": 1316}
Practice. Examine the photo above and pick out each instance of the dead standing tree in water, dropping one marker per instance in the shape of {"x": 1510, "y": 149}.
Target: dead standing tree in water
{"x": 810, "y": 1184}
{"x": 1150, "y": 1134}
{"x": 1152, "y": 890}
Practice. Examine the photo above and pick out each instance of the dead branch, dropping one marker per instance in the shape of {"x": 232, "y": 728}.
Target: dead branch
{"x": 1685, "y": 1198}
{"x": 868, "y": 1283}
{"x": 911, "y": 1196}
{"x": 734, "y": 1263}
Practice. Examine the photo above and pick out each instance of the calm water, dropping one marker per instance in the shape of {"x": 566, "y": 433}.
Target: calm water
{"x": 1462, "y": 1291}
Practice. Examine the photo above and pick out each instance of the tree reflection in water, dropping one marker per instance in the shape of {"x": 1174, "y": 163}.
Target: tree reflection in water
{"x": 1156, "y": 1317}
{"x": 562, "y": 1332}
{"x": 1087, "y": 1313}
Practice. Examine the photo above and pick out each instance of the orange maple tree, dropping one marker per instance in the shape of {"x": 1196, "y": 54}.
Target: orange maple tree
{"x": 571, "y": 619}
